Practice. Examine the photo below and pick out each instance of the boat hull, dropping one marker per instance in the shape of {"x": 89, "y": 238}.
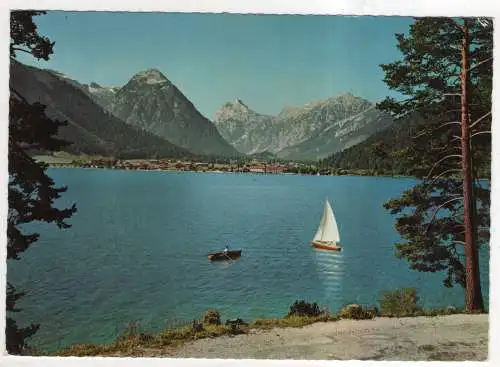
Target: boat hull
{"x": 328, "y": 246}
{"x": 221, "y": 256}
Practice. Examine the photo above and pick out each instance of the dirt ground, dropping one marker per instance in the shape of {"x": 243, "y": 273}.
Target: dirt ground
{"x": 454, "y": 337}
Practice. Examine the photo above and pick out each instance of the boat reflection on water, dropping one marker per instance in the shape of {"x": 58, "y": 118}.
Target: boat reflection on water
{"x": 221, "y": 264}
{"x": 330, "y": 268}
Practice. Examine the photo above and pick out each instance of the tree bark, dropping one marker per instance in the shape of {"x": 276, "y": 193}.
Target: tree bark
{"x": 473, "y": 296}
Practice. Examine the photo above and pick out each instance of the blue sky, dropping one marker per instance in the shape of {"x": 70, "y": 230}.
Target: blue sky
{"x": 267, "y": 61}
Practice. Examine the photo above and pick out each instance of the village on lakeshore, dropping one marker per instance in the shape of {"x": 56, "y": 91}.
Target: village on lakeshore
{"x": 250, "y": 166}
{"x": 216, "y": 166}
{"x": 179, "y": 165}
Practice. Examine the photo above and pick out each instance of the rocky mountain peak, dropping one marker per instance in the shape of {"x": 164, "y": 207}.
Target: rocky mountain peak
{"x": 351, "y": 99}
{"x": 150, "y": 102}
{"x": 348, "y": 97}
{"x": 150, "y": 76}
{"x": 239, "y": 102}
{"x": 236, "y": 104}
{"x": 231, "y": 110}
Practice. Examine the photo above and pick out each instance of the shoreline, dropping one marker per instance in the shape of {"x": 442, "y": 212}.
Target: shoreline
{"x": 230, "y": 172}
{"x": 218, "y": 165}
{"x": 255, "y": 173}
{"x": 215, "y": 165}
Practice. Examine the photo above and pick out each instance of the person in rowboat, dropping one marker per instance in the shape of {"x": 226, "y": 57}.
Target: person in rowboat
{"x": 226, "y": 249}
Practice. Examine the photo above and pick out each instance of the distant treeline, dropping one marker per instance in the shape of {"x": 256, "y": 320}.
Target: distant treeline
{"x": 378, "y": 155}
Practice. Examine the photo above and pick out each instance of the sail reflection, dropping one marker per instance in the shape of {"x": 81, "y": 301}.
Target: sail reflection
{"x": 330, "y": 268}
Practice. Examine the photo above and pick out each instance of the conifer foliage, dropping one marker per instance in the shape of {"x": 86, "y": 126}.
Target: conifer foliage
{"x": 445, "y": 75}
{"x": 31, "y": 191}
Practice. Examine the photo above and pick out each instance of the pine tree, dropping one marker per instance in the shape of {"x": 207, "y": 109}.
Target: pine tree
{"x": 445, "y": 75}
{"x": 31, "y": 191}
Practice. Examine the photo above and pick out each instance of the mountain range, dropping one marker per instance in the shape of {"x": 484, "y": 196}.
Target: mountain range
{"x": 149, "y": 101}
{"x": 149, "y": 110}
{"x": 90, "y": 129}
{"x": 308, "y": 132}
{"x": 149, "y": 116}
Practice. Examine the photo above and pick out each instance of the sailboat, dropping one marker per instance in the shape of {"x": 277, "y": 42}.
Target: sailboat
{"x": 327, "y": 236}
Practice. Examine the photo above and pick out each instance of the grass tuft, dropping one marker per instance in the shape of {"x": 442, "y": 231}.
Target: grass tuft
{"x": 291, "y": 321}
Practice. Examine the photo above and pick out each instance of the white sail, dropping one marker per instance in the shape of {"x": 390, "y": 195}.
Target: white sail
{"x": 327, "y": 230}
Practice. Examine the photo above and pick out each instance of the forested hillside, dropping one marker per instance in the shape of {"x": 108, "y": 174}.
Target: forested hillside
{"x": 381, "y": 154}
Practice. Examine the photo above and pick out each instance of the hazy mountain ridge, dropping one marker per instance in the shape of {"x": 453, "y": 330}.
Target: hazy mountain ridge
{"x": 91, "y": 129}
{"x": 310, "y": 132}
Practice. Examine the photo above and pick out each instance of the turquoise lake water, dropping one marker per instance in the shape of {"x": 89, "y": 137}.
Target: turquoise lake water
{"x": 137, "y": 251}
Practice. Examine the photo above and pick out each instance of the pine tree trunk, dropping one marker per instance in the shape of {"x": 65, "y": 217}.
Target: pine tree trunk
{"x": 473, "y": 295}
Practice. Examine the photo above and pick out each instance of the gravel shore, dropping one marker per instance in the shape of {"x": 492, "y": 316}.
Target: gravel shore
{"x": 454, "y": 337}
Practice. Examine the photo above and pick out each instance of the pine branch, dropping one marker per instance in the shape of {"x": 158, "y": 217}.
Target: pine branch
{"x": 480, "y": 132}
{"x": 441, "y": 207}
{"x": 446, "y": 147}
{"x": 480, "y": 119}
{"x": 448, "y": 123}
{"x": 443, "y": 173}
{"x": 479, "y": 63}
{"x": 425, "y": 132}
{"x": 441, "y": 160}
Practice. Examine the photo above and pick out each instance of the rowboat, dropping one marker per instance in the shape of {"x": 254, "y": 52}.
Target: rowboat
{"x": 224, "y": 256}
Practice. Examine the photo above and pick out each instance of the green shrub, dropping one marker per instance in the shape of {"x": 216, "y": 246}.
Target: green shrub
{"x": 212, "y": 317}
{"x": 357, "y": 312}
{"x": 302, "y": 308}
{"x": 399, "y": 303}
